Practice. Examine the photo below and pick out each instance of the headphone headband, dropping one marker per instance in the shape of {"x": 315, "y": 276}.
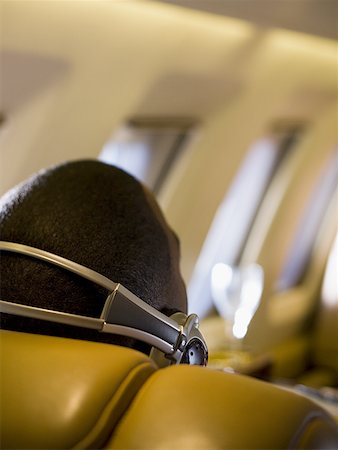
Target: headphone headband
{"x": 123, "y": 313}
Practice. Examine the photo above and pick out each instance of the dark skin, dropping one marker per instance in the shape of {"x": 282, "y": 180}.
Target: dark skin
{"x": 97, "y": 216}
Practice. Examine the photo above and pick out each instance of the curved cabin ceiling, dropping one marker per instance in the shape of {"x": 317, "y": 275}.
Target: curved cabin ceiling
{"x": 76, "y": 70}
{"x": 316, "y": 17}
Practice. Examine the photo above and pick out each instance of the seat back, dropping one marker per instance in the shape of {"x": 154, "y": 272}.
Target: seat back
{"x": 64, "y": 393}
{"x": 325, "y": 343}
{"x": 61, "y": 393}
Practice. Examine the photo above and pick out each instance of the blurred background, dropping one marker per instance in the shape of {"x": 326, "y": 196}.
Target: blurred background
{"x": 226, "y": 109}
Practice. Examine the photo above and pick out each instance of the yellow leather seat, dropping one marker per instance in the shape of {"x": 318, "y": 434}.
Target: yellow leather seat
{"x": 312, "y": 358}
{"x": 324, "y": 355}
{"x": 62, "y": 393}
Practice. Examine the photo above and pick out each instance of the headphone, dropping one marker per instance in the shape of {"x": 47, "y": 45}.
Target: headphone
{"x": 174, "y": 340}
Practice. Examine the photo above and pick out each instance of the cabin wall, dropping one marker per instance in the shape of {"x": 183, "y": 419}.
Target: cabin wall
{"x": 75, "y": 71}
{"x": 285, "y": 313}
{"x": 293, "y": 81}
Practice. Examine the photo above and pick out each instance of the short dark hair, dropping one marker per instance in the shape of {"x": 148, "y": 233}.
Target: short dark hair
{"x": 98, "y": 216}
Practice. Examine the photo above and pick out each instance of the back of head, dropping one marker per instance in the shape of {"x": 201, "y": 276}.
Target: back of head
{"x": 100, "y": 217}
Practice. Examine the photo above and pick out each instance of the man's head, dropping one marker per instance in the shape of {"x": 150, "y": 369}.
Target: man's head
{"x": 100, "y": 217}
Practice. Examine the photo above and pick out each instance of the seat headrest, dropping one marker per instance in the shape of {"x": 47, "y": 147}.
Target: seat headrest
{"x": 64, "y": 393}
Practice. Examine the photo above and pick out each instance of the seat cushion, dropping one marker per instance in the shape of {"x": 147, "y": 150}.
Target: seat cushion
{"x": 64, "y": 393}
{"x": 184, "y": 407}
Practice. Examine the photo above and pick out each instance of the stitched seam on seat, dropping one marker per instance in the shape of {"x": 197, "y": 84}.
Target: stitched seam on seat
{"x": 122, "y": 397}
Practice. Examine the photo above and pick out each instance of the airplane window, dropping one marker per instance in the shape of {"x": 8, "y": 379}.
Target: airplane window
{"x": 231, "y": 226}
{"x": 296, "y": 262}
{"x": 330, "y": 283}
{"x": 148, "y": 148}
